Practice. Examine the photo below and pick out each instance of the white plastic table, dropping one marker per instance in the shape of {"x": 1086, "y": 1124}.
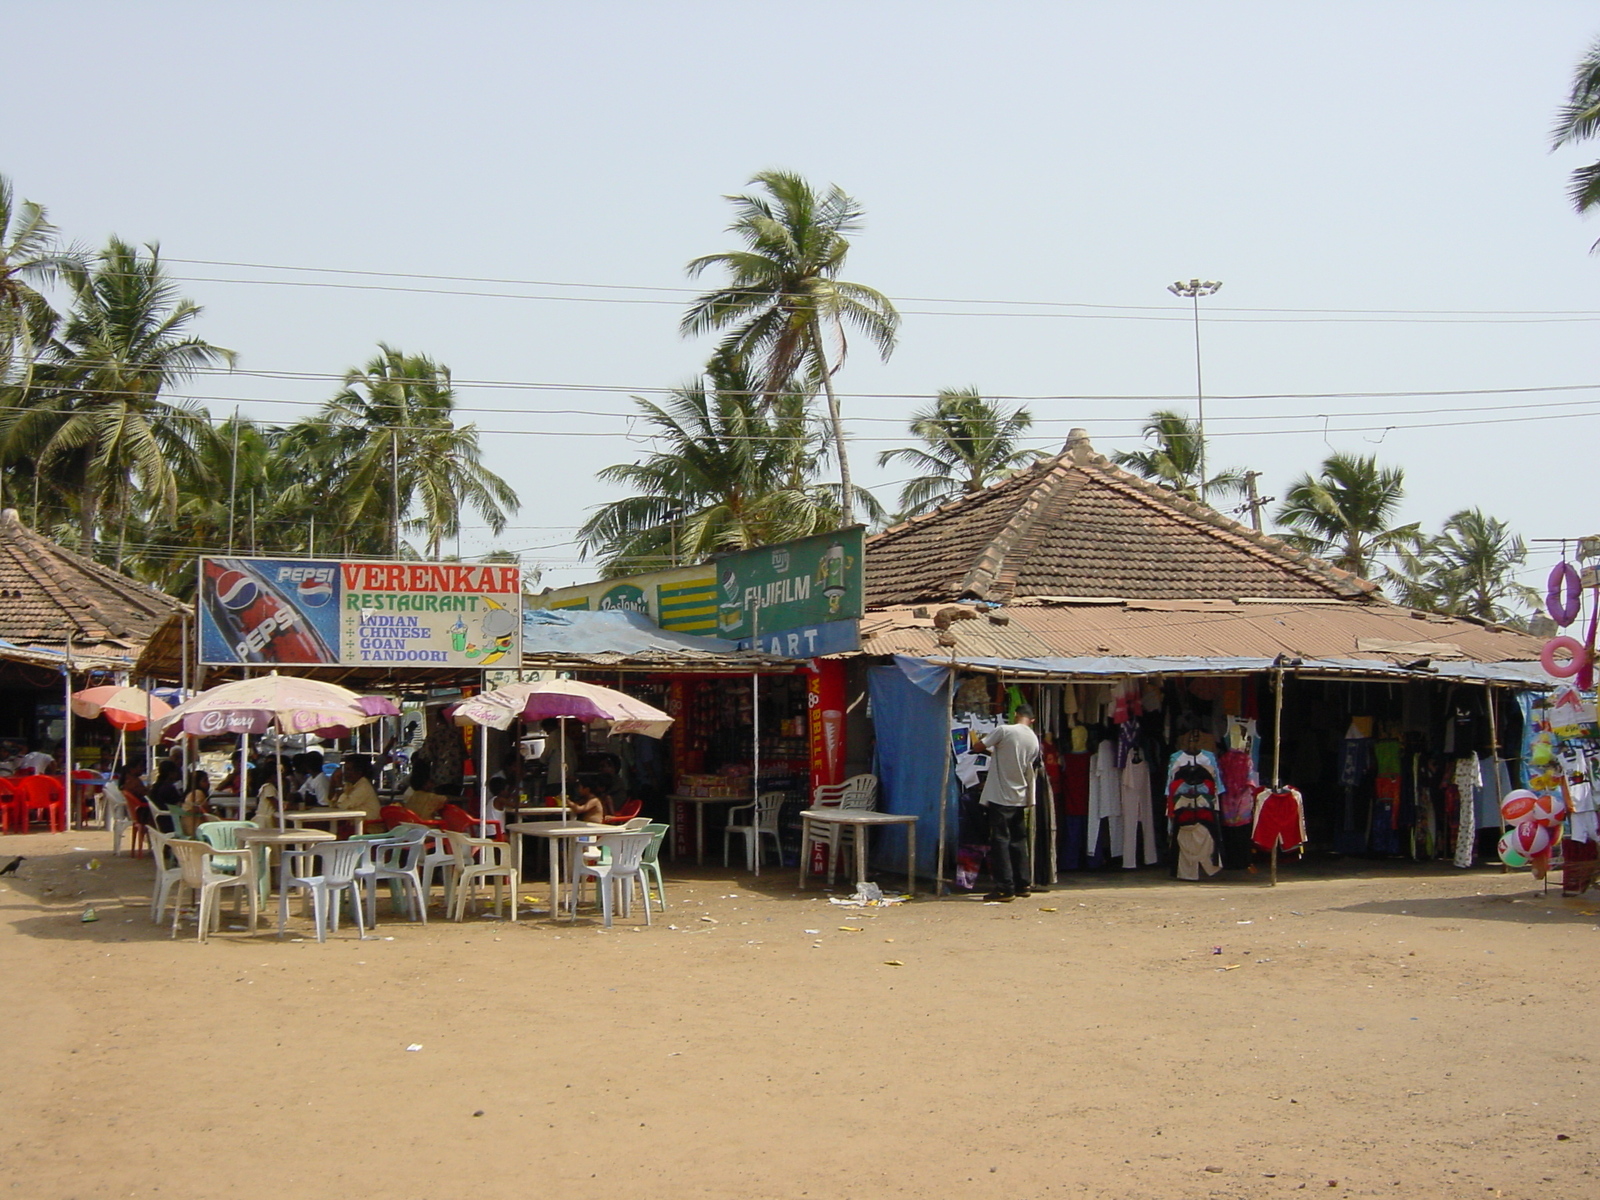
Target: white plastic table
{"x": 331, "y": 816}
{"x": 700, "y": 803}
{"x": 559, "y": 834}
{"x": 284, "y": 839}
{"x": 862, "y": 820}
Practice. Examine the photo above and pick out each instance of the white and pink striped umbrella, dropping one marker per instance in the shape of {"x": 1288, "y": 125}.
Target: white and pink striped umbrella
{"x": 564, "y": 698}
{"x": 283, "y": 702}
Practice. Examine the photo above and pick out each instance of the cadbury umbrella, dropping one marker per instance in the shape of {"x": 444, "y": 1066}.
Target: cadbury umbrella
{"x": 285, "y": 703}
{"x": 566, "y": 700}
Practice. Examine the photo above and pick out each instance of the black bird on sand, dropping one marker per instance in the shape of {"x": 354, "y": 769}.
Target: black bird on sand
{"x": 11, "y": 867}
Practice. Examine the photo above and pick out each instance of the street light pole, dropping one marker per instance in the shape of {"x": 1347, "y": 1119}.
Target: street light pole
{"x": 1194, "y": 289}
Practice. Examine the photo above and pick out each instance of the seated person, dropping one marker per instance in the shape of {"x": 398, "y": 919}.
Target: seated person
{"x": 164, "y": 795}
{"x": 130, "y": 782}
{"x": 314, "y": 785}
{"x": 265, "y": 784}
{"x": 422, "y": 798}
{"x": 358, "y": 792}
{"x": 197, "y": 802}
{"x": 588, "y": 805}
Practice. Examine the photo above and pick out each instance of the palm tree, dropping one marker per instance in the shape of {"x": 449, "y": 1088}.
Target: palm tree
{"x": 98, "y": 419}
{"x": 735, "y": 473}
{"x": 1577, "y": 121}
{"x": 1470, "y": 568}
{"x": 1344, "y": 513}
{"x": 1174, "y": 458}
{"x": 784, "y": 294}
{"x": 389, "y": 446}
{"x": 30, "y": 257}
{"x": 971, "y": 442}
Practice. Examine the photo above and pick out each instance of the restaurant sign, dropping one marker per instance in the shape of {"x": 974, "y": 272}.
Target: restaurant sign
{"x": 307, "y": 611}
{"x": 809, "y": 582}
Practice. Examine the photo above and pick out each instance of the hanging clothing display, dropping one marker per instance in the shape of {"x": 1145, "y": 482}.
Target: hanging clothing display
{"x": 1137, "y": 811}
{"x": 1279, "y": 820}
{"x": 1105, "y": 801}
{"x": 1467, "y": 778}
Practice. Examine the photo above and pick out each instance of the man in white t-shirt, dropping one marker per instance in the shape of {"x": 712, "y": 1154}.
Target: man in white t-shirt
{"x": 1013, "y": 752}
{"x": 37, "y": 761}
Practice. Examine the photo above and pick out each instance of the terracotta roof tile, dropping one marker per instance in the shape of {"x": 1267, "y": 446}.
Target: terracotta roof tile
{"x": 46, "y": 589}
{"x": 1076, "y": 526}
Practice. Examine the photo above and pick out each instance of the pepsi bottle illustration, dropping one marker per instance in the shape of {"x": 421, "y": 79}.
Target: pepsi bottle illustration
{"x": 259, "y": 621}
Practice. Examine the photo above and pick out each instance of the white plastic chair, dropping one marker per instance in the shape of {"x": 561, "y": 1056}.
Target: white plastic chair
{"x": 399, "y": 861}
{"x": 479, "y": 860}
{"x": 198, "y": 872}
{"x": 859, "y": 792}
{"x": 327, "y": 871}
{"x": 437, "y": 859}
{"x": 168, "y": 873}
{"x": 624, "y": 866}
{"x": 651, "y": 863}
{"x": 118, "y": 819}
{"x": 763, "y": 822}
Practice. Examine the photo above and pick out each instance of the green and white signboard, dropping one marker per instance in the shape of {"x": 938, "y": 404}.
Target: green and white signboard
{"x": 809, "y": 582}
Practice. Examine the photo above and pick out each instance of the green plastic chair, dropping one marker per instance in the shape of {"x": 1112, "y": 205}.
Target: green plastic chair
{"x": 650, "y": 863}
{"x": 224, "y": 835}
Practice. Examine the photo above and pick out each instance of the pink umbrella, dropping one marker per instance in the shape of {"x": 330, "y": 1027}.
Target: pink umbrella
{"x": 566, "y": 700}
{"x": 569, "y": 699}
{"x": 124, "y": 707}
{"x": 283, "y": 702}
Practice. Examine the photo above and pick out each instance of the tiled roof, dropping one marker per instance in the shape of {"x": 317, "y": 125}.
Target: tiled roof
{"x": 47, "y": 590}
{"x": 1077, "y": 526}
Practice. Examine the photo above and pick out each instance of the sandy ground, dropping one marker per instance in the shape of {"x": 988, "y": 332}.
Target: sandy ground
{"x": 1394, "y": 1032}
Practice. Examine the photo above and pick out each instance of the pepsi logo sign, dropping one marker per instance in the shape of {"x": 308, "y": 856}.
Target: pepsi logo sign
{"x": 236, "y": 590}
{"x": 314, "y": 593}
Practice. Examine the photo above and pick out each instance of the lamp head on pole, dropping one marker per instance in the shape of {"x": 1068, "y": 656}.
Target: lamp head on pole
{"x": 1195, "y": 288}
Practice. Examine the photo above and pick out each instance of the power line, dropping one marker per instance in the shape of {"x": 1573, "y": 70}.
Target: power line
{"x": 1066, "y": 304}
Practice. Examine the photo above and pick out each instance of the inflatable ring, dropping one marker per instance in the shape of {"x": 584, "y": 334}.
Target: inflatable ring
{"x": 1569, "y": 668}
{"x": 1563, "y": 597}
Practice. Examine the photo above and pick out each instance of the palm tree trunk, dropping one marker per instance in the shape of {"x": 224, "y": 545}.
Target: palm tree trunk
{"x": 88, "y": 518}
{"x": 847, "y": 506}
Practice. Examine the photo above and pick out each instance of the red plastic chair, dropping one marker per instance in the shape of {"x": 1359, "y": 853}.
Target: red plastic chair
{"x": 626, "y": 813}
{"x": 13, "y": 810}
{"x": 455, "y": 819}
{"x": 43, "y": 794}
{"x": 398, "y": 814}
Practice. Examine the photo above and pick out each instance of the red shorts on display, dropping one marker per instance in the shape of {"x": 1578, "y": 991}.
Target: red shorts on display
{"x": 1280, "y": 820}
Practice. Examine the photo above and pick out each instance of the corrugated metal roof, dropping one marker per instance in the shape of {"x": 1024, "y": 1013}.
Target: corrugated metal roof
{"x": 1218, "y": 629}
{"x": 617, "y": 637}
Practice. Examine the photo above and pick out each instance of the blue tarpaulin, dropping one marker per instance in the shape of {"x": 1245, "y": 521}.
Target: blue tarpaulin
{"x": 616, "y": 633}
{"x": 913, "y": 746}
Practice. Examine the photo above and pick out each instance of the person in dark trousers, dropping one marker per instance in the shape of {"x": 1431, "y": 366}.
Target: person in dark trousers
{"x": 1013, "y": 752}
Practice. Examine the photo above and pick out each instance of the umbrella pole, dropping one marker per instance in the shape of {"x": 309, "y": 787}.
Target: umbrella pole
{"x": 483, "y": 782}
{"x": 561, "y": 750}
{"x": 280, "y": 786}
{"x": 66, "y": 767}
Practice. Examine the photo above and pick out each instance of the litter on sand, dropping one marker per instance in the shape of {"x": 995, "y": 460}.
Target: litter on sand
{"x": 867, "y": 895}
{"x": 414, "y": 1047}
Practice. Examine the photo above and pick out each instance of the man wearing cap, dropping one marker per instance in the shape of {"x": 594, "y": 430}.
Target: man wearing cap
{"x": 1008, "y": 794}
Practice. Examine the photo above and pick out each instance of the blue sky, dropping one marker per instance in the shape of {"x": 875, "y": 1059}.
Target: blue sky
{"x": 1384, "y": 164}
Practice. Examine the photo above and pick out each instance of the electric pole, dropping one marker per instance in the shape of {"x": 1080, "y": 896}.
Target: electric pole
{"x": 1193, "y": 290}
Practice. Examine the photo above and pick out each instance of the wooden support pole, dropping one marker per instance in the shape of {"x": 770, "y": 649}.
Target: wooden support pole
{"x": 1277, "y": 758}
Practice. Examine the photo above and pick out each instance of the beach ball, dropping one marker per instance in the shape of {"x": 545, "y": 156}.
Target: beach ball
{"x": 1549, "y": 810}
{"x": 1509, "y": 853}
{"x": 1531, "y": 838}
{"x": 1518, "y": 806}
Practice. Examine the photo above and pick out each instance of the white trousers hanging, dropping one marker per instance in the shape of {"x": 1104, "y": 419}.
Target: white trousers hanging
{"x": 1137, "y": 813}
